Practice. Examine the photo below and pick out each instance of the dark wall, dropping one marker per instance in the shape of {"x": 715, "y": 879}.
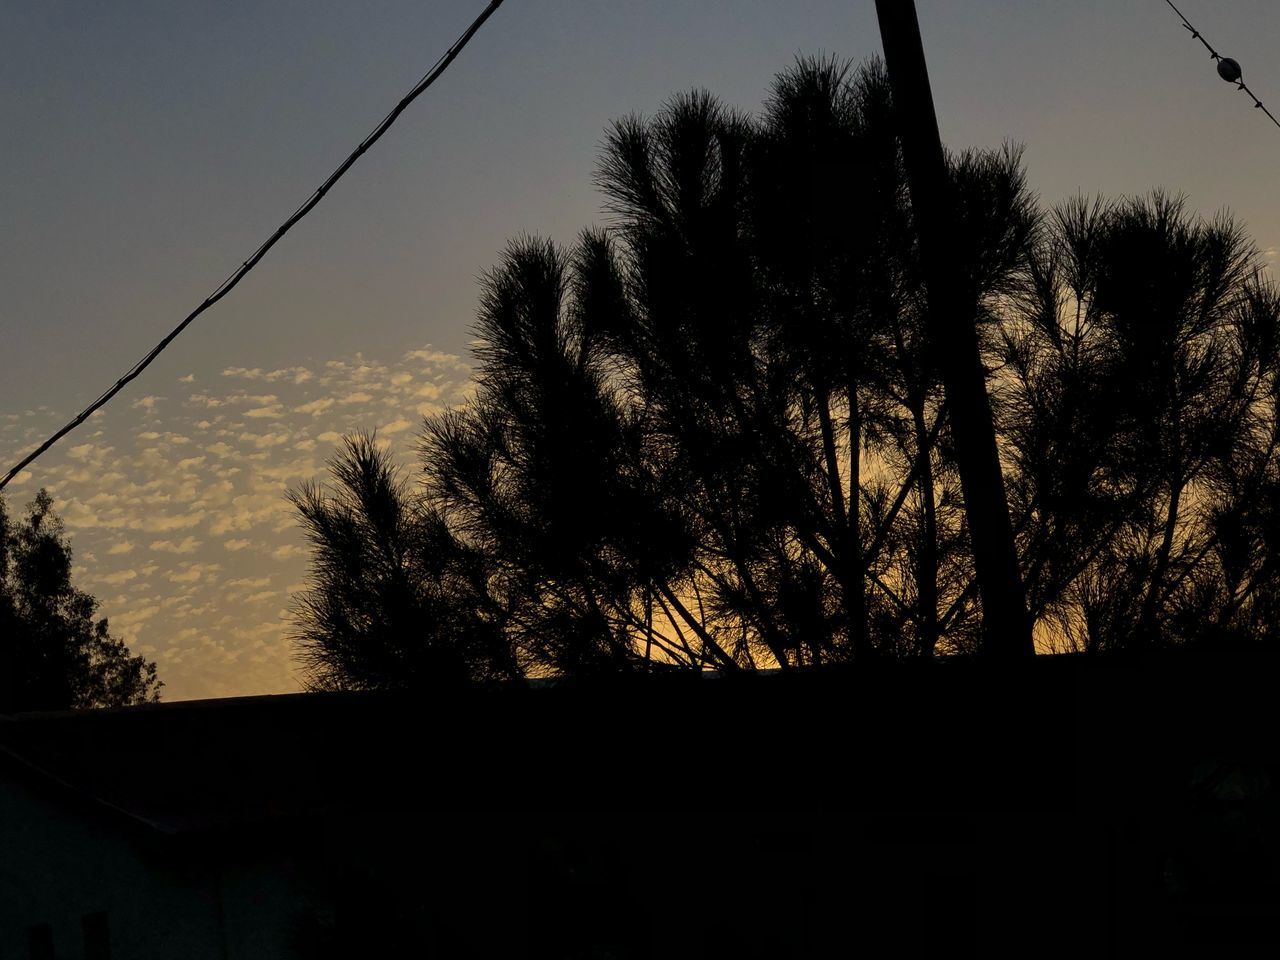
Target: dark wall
{"x": 1062, "y": 807}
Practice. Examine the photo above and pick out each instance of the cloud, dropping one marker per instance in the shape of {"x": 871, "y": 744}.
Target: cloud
{"x": 294, "y": 375}
{"x": 251, "y": 583}
{"x": 167, "y": 439}
{"x": 193, "y": 572}
{"x": 146, "y": 403}
{"x": 186, "y": 545}
{"x": 248, "y": 511}
{"x": 127, "y": 623}
{"x": 90, "y": 453}
{"x": 287, "y": 551}
{"x": 210, "y": 513}
{"x": 265, "y": 440}
{"x": 117, "y": 578}
{"x": 436, "y": 358}
{"x": 264, "y": 399}
{"x": 166, "y": 524}
{"x": 316, "y": 407}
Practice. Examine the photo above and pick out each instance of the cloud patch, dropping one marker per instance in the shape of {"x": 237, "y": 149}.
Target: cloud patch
{"x": 185, "y": 545}
{"x": 177, "y": 510}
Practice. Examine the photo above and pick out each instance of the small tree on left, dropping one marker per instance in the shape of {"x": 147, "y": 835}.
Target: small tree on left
{"x": 53, "y": 654}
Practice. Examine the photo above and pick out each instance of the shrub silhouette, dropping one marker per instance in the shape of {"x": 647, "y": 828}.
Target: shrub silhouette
{"x": 53, "y": 654}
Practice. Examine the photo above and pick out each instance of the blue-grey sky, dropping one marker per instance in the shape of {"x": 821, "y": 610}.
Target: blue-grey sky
{"x": 150, "y": 145}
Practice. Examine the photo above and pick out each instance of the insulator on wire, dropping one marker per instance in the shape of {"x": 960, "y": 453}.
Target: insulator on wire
{"x": 1229, "y": 70}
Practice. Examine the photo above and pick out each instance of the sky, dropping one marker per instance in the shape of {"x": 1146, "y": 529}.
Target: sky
{"x": 151, "y": 145}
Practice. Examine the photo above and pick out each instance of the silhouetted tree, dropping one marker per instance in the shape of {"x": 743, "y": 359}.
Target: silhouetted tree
{"x": 544, "y": 470}
{"x": 1142, "y": 414}
{"x": 53, "y": 654}
{"x": 396, "y": 599}
{"x": 776, "y": 339}
{"x": 714, "y": 435}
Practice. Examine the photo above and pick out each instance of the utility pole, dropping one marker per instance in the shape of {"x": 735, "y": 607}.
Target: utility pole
{"x": 954, "y": 336}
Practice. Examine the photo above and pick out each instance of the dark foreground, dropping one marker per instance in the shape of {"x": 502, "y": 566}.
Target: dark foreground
{"x": 1065, "y": 806}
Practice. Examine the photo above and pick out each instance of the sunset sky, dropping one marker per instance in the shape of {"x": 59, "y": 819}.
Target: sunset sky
{"x": 151, "y": 145}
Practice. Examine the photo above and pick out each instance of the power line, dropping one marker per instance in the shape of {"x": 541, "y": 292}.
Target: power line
{"x": 239, "y": 274}
{"x": 1228, "y": 69}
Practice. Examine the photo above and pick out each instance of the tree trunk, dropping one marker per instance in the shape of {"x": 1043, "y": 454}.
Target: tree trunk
{"x": 855, "y": 588}
{"x": 1147, "y": 623}
{"x": 927, "y": 556}
{"x": 954, "y": 337}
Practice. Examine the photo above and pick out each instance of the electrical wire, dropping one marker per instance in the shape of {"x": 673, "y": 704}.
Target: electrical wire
{"x": 239, "y": 274}
{"x": 1214, "y": 55}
